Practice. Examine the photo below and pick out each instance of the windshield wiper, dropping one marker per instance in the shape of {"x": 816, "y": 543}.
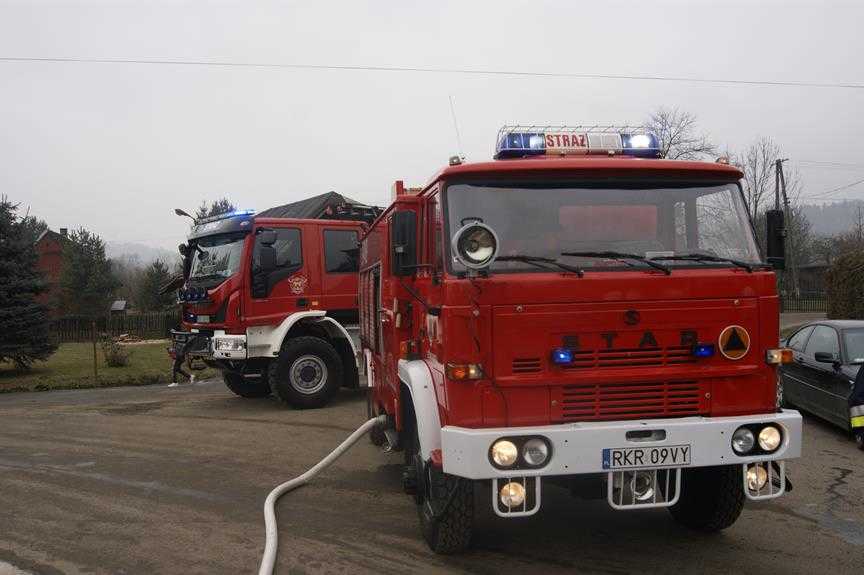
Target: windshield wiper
{"x": 621, "y": 257}
{"x": 209, "y": 277}
{"x": 695, "y": 257}
{"x": 540, "y": 261}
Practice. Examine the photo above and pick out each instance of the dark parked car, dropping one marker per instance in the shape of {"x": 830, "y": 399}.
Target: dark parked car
{"x": 828, "y": 355}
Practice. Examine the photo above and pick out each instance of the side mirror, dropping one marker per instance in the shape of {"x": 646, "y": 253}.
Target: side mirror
{"x": 266, "y": 259}
{"x": 775, "y": 239}
{"x": 403, "y": 243}
{"x": 824, "y": 357}
{"x": 266, "y": 237}
{"x": 183, "y": 249}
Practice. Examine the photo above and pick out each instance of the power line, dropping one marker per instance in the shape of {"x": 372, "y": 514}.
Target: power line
{"x": 831, "y": 165}
{"x": 834, "y": 190}
{"x": 437, "y": 70}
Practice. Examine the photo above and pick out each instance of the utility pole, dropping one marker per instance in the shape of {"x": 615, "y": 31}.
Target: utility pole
{"x": 779, "y": 177}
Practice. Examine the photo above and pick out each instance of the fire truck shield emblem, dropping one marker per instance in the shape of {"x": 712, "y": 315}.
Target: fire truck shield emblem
{"x": 298, "y": 284}
{"x": 734, "y": 342}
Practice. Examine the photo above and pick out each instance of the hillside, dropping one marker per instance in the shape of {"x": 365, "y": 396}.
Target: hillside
{"x": 831, "y": 219}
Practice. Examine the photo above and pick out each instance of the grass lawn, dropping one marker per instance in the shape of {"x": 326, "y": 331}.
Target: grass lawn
{"x": 71, "y": 367}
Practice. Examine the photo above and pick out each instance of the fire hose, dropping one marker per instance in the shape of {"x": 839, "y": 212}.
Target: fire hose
{"x": 268, "y": 560}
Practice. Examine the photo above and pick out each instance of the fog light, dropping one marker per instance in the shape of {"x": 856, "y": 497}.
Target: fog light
{"x": 643, "y": 488}
{"x": 743, "y": 441}
{"x": 512, "y": 495}
{"x": 535, "y": 452}
{"x": 769, "y": 438}
{"x": 504, "y": 453}
{"x": 757, "y": 477}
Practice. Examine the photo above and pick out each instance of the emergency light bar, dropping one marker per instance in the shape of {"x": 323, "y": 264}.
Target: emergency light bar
{"x": 225, "y": 216}
{"x": 522, "y": 141}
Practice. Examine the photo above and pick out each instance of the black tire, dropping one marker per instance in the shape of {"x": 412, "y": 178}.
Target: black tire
{"x": 445, "y": 503}
{"x": 711, "y": 498}
{"x": 239, "y": 385}
{"x": 307, "y": 373}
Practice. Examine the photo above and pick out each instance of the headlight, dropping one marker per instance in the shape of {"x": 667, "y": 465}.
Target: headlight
{"x": 512, "y": 495}
{"x": 535, "y": 452}
{"x": 757, "y": 477}
{"x": 232, "y": 344}
{"x": 475, "y": 245}
{"x": 770, "y": 438}
{"x": 504, "y": 453}
{"x": 743, "y": 441}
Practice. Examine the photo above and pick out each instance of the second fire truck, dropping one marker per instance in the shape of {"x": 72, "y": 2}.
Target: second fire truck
{"x": 577, "y": 312}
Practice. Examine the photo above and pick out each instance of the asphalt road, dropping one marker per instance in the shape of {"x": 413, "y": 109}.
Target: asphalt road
{"x": 159, "y": 480}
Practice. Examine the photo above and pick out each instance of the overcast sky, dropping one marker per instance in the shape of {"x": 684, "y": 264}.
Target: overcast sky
{"x": 115, "y": 147}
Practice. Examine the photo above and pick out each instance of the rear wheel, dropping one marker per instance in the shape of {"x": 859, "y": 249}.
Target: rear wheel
{"x": 252, "y": 387}
{"x": 711, "y": 498}
{"x": 445, "y": 503}
{"x": 307, "y": 373}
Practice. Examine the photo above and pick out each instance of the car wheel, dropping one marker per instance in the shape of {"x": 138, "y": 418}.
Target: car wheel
{"x": 307, "y": 373}
{"x": 243, "y": 387}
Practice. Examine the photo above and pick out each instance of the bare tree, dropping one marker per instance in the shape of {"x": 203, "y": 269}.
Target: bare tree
{"x": 758, "y": 164}
{"x": 679, "y": 136}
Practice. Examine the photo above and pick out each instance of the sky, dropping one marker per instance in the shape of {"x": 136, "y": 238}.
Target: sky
{"x": 115, "y": 147}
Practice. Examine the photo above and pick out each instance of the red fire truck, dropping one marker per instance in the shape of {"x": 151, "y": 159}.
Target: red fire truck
{"x": 583, "y": 313}
{"x": 271, "y": 301}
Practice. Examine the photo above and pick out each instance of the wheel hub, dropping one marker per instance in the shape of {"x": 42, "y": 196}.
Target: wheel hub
{"x": 308, "y": 374}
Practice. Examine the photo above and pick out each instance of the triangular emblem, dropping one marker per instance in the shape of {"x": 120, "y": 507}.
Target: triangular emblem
{"x": 735, "y": 343}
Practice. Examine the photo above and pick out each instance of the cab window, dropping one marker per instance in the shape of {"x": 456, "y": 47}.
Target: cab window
{"x": 340, "y": 251}
{"x": 798, "y": 340}
{"x": 824, "y": 339}
{"x": 288, "y": 248}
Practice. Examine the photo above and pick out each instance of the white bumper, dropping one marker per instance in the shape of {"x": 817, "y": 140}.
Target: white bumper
{"x": 577, "y": 447}
{"x": 228, "y": 346}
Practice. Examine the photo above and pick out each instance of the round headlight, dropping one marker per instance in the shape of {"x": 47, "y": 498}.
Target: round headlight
{"x": 769, "y": 438}
{"x": 512, "y": 495}
{"x": 535, "y": 452}
{"x": 743, "y": 441}
{"x": 757, "y": 477}
{"x": 475, "y": 245}
{"x": 504, "y": 453}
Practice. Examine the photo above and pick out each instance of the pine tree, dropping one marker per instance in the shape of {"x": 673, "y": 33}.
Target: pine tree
{"x": 148, "y": 296}
{"x": 24, "y": 322}
{"x": 88, "y": 278}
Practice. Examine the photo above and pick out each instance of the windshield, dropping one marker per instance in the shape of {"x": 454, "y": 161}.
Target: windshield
{"x": 854, "y": 341}
{"x": 216, "y": 257}
{"x": 659, "y": 221}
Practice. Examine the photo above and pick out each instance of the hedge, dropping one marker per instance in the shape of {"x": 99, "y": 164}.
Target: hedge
{"x": 845, "y": 282}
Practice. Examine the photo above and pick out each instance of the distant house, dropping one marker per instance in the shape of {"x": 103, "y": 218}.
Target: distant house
{"x": 118, "y": 307}
{"x": 49, "y": 250}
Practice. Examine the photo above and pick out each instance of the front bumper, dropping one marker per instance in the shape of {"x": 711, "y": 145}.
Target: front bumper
{"x": 219, "y": 345}
{"x": 577, "y": 448}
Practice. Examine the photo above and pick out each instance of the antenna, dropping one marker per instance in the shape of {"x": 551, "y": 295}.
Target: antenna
{"x": 456, "y": 127}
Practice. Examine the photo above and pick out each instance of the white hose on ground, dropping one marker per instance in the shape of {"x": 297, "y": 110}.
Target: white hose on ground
{"x": 268, "y": 560}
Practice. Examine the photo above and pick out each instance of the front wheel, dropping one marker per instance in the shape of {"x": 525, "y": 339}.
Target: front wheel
{"x": 307, "y": 373}
{"x": 243, "y": 387}
{"x": 711, "y": 498}
{"x": 445, "y": 503}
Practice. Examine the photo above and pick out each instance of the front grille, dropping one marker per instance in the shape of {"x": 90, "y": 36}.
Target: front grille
{"x": 632, "y": 357}
{"x": 526, "y": 365}
{"x": 612, "y": 401}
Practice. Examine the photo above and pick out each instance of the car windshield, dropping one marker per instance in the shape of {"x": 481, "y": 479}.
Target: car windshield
{"x": 853, "y": 339}
{"x": 661, "y": 221}
{"x": 216, "y": 257}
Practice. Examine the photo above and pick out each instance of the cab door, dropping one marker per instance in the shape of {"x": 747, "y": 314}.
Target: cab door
{"x": 278, "y": 292}
{"x": 339, "y": 270}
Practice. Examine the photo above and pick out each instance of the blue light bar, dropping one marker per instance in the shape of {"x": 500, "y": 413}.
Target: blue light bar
{"x": 519, "y": 144}
{"x": 562, "y": 356}
{"x": 703, "y": 350}
{"x": 641, "y": 145}
{"x": 523, "y": 141}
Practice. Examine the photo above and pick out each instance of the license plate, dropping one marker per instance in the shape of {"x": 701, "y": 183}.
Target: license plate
{"x": 642, "y": 457}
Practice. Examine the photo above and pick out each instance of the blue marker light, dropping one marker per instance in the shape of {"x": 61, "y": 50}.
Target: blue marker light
{"x": 703, "y": 350}
{"x": 643, "y": 145}
{"x": 519, "y": 144}
{"x": 562, "y": 355}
